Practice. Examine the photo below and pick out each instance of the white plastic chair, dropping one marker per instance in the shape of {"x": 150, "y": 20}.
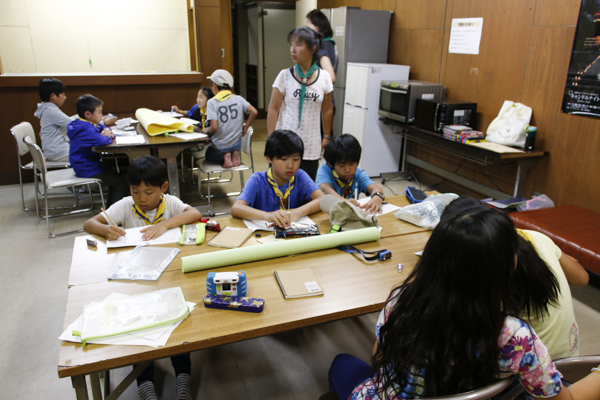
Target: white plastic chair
{"x": 19, "y": 132}
{"x": 58, "y": 179}
{"x": 210, "y": 168}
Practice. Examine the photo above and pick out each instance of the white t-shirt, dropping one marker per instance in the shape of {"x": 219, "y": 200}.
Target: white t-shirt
{"x": 229, "y": 114}
{"x": 122, "y": 211}
{"x": 310, "y": 128}
{"x": 559, "y": 330}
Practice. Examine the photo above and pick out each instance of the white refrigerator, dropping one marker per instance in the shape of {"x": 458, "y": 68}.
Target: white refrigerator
{"x": 381, "y": 149}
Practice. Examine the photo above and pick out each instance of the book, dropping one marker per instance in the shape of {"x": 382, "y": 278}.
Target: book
{"x": 298, "y": 283}
{"x": 230, "y": 237}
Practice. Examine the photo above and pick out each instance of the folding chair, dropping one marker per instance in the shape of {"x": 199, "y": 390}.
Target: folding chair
{"x": 210, "y": 168}
{"x": 58, "y": 179}
{"x": 19, "y": 132}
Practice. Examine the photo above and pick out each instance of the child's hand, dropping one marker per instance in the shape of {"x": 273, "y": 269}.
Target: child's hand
{"x": 110, "y": 120}
{"x": 109, "y": 133}
{"x": 114, "y": 232}
{"x": 153, "y": 231}
{"x": 176, "y": 109}
{"x": 373, "y": 206}
{"x": 280, "y": 218}
{"x": 244, "y": 130}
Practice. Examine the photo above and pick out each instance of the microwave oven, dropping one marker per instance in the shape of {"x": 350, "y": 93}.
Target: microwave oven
{"x": 434, "y": 115}
{"x": 398, "y": 99}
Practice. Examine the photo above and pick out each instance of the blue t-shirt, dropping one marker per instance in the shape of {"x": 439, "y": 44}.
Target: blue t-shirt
{"x": 259, "y": 193}
{"x": 361, "y": 180}
{"x": 84, "y": 135}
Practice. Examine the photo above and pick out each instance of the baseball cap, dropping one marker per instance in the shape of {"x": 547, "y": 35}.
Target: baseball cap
{"x": 346, "y": 215}
{"x": 221, "y": 77}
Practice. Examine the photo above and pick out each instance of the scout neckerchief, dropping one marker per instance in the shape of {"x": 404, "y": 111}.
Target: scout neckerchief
{"x": 330, "y": 39}
{"x": 346, "y": 186}
{"x": 223, "y": 95}
{"x": 202, "y": 114}
{"x": 283, "y": 198}
{"x": 304, "y": 79}
{"x": 160, "y": 212}
{"x": 87, "y": 120}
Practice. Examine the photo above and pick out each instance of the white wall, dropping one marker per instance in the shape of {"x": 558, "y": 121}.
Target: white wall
{"x": 303, "y": 7}
{"x": 83, "y": 36}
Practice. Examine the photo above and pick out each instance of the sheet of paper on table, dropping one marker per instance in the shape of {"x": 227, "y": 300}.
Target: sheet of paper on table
{"x": 258, "y": 225}
{"x": 189, "y": 121}
{"x": 154, "y": 337}
{"x": 171, "y": 114}
{"x": 386, "y": 208}
{"x": 189, "y": 136}
{"x": 120, "y": 132}
{"x": 134, "y": 237}
{"x": 498, "y": 148}
{"x": 137, "y": 139}
{"x": 123, "y": 123}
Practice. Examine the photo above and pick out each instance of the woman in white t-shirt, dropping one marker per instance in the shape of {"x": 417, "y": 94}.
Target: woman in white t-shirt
{"x": 302, "y": 97}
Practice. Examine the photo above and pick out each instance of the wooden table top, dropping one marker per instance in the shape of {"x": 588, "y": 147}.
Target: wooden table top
{"x": 351, "y": 288}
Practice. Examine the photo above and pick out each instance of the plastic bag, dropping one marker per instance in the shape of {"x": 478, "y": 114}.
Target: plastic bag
{"x": 144, "y": 263}
{"x": 508, "y": 128}
{"x": 541, "y": 201}
{"x": 427, "y": 213}
{"x": 148, "y": 310}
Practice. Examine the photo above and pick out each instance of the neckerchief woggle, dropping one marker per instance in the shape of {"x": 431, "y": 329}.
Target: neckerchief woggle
{"x": 223, "y": 95}
{"x": 304, "y": 79}
{"x": 160, "y": 212}
{"x": 346, "y": 186}
{"x": 283, "y": 197}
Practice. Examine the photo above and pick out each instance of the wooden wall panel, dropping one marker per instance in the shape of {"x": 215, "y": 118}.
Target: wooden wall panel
{"x": 209, "y": 19}
{"x": 570, "y": 175}
{"x": 420, "y": 14}
{"x": 556, "y": 12}
{"x": 419, "y": 48}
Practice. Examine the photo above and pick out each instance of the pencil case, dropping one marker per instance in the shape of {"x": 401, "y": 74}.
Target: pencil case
{"x": 234, "y": 303}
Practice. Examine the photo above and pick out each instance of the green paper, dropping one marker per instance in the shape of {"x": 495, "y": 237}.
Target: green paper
{"x": 241, "y": 255}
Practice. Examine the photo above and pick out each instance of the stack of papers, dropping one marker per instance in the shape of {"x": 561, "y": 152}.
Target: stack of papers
{"x": 153, "y": 337}
{"x": 134, "y": 238}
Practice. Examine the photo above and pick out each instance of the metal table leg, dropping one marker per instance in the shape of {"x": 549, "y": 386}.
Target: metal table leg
{"x": 523, "y": 165}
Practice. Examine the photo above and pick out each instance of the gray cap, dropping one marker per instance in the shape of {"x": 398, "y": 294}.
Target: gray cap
{"x": 347, "y": 215}
{"x": 221, "y": 77}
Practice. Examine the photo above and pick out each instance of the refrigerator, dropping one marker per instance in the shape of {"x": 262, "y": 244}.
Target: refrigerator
{"x": 381, "y": 148}
{"x": 360, "y": 36}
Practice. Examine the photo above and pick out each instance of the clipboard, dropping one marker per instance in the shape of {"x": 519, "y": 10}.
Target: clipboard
{"x": 230, "y": 237}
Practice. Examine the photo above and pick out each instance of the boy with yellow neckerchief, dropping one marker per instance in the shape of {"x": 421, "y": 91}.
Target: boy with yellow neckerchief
{"x": 225, "y": 114}
{"x": 147, "y": 206}
{"x": 284, "y": 193}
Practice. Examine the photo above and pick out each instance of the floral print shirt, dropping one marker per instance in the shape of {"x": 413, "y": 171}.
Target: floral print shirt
{"x": 521, "y": 353}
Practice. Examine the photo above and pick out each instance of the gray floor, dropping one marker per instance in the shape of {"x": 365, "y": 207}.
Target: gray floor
{"x": 292, "y": 365}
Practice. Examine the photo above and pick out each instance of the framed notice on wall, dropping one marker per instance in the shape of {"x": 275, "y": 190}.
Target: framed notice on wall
{"x": 582, "y": 90}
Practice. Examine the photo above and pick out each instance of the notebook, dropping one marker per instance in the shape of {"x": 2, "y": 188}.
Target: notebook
{"x": 231, "y": 237}
{"x": 298, "y": 283}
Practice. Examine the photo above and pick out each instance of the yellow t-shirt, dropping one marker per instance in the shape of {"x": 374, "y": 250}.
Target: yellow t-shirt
{"x": 558, "y": 330}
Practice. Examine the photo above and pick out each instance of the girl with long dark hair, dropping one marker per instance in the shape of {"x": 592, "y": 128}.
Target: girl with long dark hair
{"x": 453, "y": 327}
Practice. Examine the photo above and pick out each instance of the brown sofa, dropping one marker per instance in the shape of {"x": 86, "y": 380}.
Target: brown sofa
{"x": 576, "y": 230}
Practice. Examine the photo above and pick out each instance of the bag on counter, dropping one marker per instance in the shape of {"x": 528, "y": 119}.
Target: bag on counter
{"x": 427, "y": 213}
{"x": 508, "y": 128}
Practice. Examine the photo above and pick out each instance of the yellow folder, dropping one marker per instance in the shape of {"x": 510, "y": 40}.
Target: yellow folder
{"x": 156, "y": 123}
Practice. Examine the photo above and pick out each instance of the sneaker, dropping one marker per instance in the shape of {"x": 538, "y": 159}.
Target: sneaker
{"x": 227, "y": 163}
{"x": 235, "y": 159}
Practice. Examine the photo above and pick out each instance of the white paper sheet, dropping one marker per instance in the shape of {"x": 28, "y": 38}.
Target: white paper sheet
{"x": 154, "y": 337}
{"x": 498, "y": 148}
{"x": 189, "y": 121}
{"x": 465, "y": 35}
{"x": 171, "y": 114}
{"x": 122, "y": 123}
{"x": 134, "y": 237}
{"x": 258, "y": 225}
{"x": 137, "y": 139}
{"x": 386, "y": 208}
{"x": 189, "y": 136}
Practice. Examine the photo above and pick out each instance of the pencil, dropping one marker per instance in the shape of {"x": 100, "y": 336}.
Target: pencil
{"x": 104, "y": 211}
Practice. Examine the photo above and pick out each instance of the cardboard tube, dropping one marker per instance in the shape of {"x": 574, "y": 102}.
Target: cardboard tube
{"x": 241, "y": 255}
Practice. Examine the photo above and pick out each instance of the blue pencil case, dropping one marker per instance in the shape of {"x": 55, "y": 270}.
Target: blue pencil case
{"x": 234, "y": 303}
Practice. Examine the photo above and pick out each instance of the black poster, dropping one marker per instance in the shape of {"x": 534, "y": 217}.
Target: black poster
{"x": 582, "y": 91}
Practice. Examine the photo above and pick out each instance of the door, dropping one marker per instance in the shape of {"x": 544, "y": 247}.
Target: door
{"x": 276, "y": 24}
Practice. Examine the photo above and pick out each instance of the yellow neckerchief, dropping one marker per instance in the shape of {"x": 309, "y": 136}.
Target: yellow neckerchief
{"x": 346, "y": 186}
{"x": 202, "y": 114}
{"x": 160, "y": 212}
{"x": 283, "y": 198}
{"x": 223, "y": 94}
{"x": 526, "y": 235}
{"x": 87, "y": 120}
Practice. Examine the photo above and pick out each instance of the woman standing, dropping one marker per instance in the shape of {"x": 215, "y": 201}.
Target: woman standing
{"x": 301, "y": 97}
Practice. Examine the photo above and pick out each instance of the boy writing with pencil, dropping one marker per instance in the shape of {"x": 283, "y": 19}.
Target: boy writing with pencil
{"x": 342, "y": 178}
{"x": 284, "y": 193}
{"x": 147, "y": 206}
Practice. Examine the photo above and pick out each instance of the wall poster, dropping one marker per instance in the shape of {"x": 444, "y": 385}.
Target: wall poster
{"x": 582, "y": 90}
